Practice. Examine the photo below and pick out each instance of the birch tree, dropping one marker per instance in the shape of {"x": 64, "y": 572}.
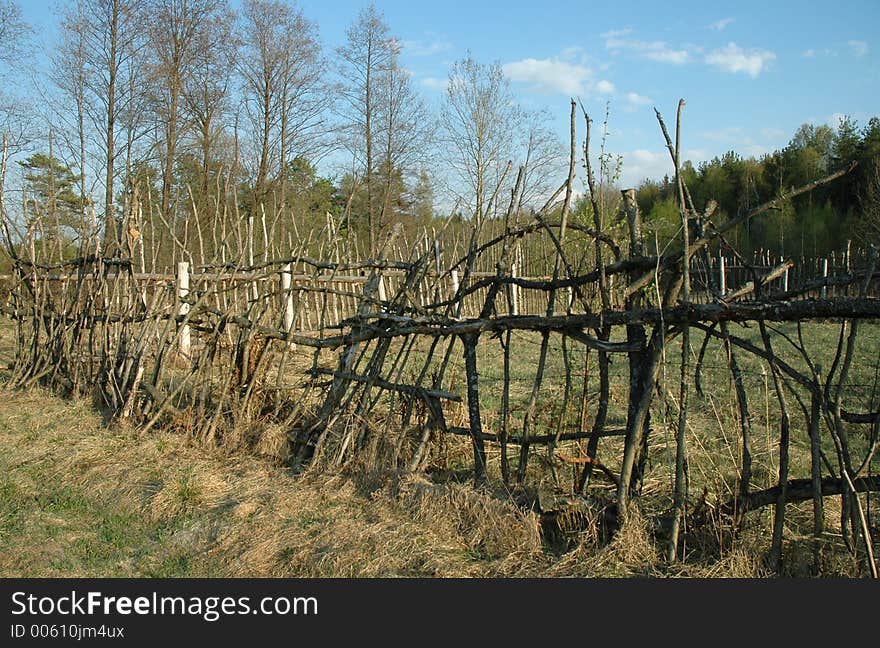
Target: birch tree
{"x": 14, "y": 34}
{"x": 368, "y": 53}
{"x": 282, "y": 77}
{"x": 480, "y": 120}
{"x": 177, "y": 42}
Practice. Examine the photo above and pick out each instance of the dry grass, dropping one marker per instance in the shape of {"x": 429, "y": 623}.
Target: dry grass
{"x": 81, "y": 499}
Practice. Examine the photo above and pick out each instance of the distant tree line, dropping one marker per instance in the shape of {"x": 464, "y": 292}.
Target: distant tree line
{"x": 813, "y": 224}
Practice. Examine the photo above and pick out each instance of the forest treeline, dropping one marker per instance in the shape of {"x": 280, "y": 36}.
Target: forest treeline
{"x": 176, "y": 120}
{"x": 813, "y": 224}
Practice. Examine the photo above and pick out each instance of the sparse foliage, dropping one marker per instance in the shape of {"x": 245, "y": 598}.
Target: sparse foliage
{"x": 369, "y": 75}
{"x": 284, "y": 97}
{"x": 480, "y": 119}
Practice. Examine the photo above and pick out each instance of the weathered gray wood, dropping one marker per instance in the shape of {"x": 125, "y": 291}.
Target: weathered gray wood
{"x": 514, "y": 292}
{"x": 384, "y": 384}
{"x": 541, "y": 439}
{"x": 772, "y": 311}
{"x": 637, "y": 339}
{"x": 473, "y": 403}
{"x": 745, "y": 422}
{"x": 775, "y": 556}
{"x": 749, "y": 287}
{"x": 680, "y": 489}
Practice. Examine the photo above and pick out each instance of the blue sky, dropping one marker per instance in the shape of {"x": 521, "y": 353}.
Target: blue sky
{"x": 751, "y": 72}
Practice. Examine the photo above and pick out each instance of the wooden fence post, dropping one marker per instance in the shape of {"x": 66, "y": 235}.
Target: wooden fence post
{"x": 453, "y": 276}
{"x": 287, "y": 295}
{"x": 382, "y": 295}
{"x": 816, "y": 471}
{"x": 849, "y": 256}
{"x": 514, "y": 292}
{"x": 250, "y": 235}
{"x": 825, "y": 277}
{"x": 182, "y": 294}
{"x": 722, "y": 276}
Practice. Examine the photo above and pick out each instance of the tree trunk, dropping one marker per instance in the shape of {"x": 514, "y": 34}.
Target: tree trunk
{"x": 110, "y": 236}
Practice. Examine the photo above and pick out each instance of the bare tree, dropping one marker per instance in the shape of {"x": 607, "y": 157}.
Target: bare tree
{"x": 543, "y": 159}
{"x": 369, "y": 52}
{"x": 176, "y": 33}
{"x": 480, "y": 120}
{"x": 406, "y": 131}
{"x": 70, "y": 75}
{"x": 111, "y": 30}
{"x": 206, "y": 91}
{"x": 14, "y": 34}
{"x": 96, "y": 66}
{"x": 281, "y": 68}
{"x": 303, "y": 99}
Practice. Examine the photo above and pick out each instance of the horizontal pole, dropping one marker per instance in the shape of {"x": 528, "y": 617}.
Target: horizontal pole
{"x": 539, "y": 439}
{"x": 251, "y": 276}
{"x": 384, "y": 384}
{"x": 371, "y": 327}
{"x": 801, "y": 490}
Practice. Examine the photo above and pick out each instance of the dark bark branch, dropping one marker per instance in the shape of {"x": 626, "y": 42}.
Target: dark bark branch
{"x": 800, "y": 490}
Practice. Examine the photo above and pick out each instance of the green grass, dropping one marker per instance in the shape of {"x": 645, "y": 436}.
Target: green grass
{"x": 81, "y": 533}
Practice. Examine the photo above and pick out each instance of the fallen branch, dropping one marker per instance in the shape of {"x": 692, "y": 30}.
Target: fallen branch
{"x": 800, "y": 490}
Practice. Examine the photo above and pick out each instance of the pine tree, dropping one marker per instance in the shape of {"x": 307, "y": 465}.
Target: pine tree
{"x": 53, "y": 197}
{"x": 423, "y": 198}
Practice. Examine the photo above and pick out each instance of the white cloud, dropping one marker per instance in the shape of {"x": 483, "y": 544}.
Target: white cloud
{"x": 634, "y": 101}
{"x": 616, "y": 33}
{"x": 433, "y": 83}
{"x": 859, "y": 48}
{"x": 735, "y": 59}
{"x": 665, "y": 55}
{"x": 422, "y": 48}
{"x": 605, "y": 87}
{"x": 719, "y": 25}
{"x": 641, "y": 164}
{"x": 657, "y": 50}
{"x": 550, "y": 75}
{"x": 815, "y": 53}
